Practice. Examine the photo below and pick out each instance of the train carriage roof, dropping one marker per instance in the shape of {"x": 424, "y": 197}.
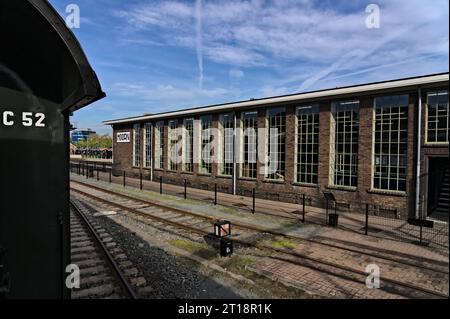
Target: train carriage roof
{"x": 40, "y": 54}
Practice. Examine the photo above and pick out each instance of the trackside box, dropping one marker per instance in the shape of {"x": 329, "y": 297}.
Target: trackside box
{"x": 44, "y": 76}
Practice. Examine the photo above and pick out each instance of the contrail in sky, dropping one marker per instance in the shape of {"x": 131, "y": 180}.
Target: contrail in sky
{"x": 199, "y": 42}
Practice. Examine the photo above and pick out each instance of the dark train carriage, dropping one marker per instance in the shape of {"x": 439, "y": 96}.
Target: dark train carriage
{"x": 44, "y": 76}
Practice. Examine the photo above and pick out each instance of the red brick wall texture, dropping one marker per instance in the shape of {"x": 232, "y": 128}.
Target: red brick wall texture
{"x": 288, "y": 190}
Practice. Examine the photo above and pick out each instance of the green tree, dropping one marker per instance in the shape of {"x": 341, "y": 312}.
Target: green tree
{"x": 96, "y": 141}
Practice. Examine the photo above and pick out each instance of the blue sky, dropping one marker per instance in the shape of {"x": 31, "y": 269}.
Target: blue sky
{"x": 155, "y": 56}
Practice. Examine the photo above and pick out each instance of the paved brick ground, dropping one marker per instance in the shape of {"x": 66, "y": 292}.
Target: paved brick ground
{"x": 420, "y": 266}
{"x": 317, "y": 283}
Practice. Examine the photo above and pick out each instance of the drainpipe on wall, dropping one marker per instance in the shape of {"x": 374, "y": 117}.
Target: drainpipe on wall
{"x": 152, "y": 152}
{"x": 234, "y": 155}
{"x": 419, "y": 140}
{"x": 112, "y": 151}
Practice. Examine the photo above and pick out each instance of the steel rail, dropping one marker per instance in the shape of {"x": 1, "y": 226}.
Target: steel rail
{"x": 129, "y": 291}
{"x": 279, "y": 250}
{"x": 261, "y": 229}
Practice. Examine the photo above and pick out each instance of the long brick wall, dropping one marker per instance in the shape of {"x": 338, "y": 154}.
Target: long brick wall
{"x": 288, "y": 190}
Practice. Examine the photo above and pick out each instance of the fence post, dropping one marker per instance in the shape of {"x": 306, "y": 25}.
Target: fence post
{"x": 254, "y": 202}
{"x": 303, "y": 208}
{"x": 140, "y": 180}
{"x": 87, "y": 171}
{"x": 326, "y": 214}
{"x": 185, "y": 189}
{"x": 420, "y": 239}
{"x": 124, "y": 179}
{"x": 98, "y": 177}
{"x": 160, "y": 184}
{"x": 215, "y": 194}
{"x": 367, "y": 220}
{"x": 110, "y": 179}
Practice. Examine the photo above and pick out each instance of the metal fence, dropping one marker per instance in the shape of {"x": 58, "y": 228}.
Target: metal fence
{"x": 355, "y": 216}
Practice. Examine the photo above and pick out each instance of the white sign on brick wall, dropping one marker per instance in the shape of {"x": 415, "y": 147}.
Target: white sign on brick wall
{"x": 123, "y": 137}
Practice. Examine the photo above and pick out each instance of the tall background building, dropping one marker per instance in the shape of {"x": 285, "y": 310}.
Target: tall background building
{"x": 81, "y": 135}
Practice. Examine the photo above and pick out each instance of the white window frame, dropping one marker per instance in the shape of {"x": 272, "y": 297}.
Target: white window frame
{"x": 427, "y": 122}
{"x": 338, "y": 166}
{"x": 252, "y": 158}
{"x": 172, "y": 140}
{"x": 137, "y": 145}
{"x": 188, "y": 146}
{"x": 205, "y": 168}
{"x": 388, "y": 158}
{"x": 159, "y": 149}
{"x": 225, "y": 144}
{"x": 148, "y": 147}
{"x": 280, "y": 153}
{"x": 311, "y": 176}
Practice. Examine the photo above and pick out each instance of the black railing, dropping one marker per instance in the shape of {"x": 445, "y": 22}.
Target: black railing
{"x": 369, "y": 218}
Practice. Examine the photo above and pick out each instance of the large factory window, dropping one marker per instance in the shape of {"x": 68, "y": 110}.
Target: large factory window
{"x": 391, "y": 143}
{"x": 250, "y": 144}
{"x": 147, "y": 145}
{"x": 276, "y": 141}
{"x": 437, "y": 117}
{"x": 344, "y": 143}
{"x": 173, "y": 144}
{"x": 307, "y": 144}
{"x": 159, "y": 145}
{"x": 226, "y": 144}
{"x": 137, "y": 145}
{"x": 188, "y": 148}
{"x": 206, "y": 145}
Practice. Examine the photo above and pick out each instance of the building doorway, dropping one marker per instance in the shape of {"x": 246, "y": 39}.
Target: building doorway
{"x": 438, "y": 188}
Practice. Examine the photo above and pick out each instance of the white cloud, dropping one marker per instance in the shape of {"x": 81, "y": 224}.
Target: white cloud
{"x": 286, "y": 34}
{"x": 167, "y": 95}
{"x": 199, "y": 40}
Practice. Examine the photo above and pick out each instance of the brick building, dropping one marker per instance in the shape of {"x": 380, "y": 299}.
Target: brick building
{"x": 358, "y": 142}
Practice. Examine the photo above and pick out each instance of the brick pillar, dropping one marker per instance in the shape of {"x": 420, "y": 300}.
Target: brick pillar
{"x": 324, "y": 144}
{"x": 290, "y": 145}
{"x": 365, "y": 145}
{"x": 412, "y": 157}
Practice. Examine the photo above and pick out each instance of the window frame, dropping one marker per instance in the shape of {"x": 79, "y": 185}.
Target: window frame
{"x": 382, "y": 156}
{"x": 188, "y": 152}
{"x": 226, "y": 168}
{"x": 148, "y": 147}
{"x": 338, "y": 158}
{"x": 205, "y": 168}
{"x": 427, "y": 119}
{"x": 312, "y": 166}
{"x": 281, "y": 147}
{"x": 137, "y": 145}
{"x": 159, "y": 145}
{"x": 252, "y": 167}
{"x": 172, "y": 140}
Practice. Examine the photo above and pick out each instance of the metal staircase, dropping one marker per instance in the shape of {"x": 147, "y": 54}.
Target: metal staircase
{"x": 442, "y": 209}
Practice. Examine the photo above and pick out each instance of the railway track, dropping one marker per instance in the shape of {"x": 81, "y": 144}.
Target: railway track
{"x": 193, "y": 223}
{"x": 105, "y": 271}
